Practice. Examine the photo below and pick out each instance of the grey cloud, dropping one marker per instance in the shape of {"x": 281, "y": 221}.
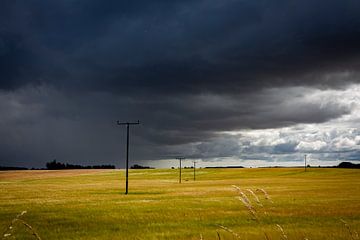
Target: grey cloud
{"x": 179, "y": 46}
{"x": 44, "y": 123}
{"x": 284, "y": 148}
{"x": 225, "y": 146}
{"x": 187, "y": 69}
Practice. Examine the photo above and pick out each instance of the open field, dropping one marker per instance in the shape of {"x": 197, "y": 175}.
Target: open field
{"x": 90, "y": 204}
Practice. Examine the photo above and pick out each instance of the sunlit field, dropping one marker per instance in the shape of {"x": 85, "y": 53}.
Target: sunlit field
{"x": 221, "y": 204}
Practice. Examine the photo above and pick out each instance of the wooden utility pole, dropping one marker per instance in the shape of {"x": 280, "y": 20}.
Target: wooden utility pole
{"x": 127, "y": 149}
{"x": 180, "y": 159}
{"x": 194, "y": 169}
{"x": 305, "y": 162}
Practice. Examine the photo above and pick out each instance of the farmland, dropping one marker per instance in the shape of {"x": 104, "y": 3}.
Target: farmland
{"x": 283, "y": 203}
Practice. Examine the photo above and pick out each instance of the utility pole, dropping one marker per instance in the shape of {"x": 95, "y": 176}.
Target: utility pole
{"x": 180, "y": 159}
{"x": 194, "y": 169}
{"x": 127, "y": 149}
{"x": 305, "y": 162}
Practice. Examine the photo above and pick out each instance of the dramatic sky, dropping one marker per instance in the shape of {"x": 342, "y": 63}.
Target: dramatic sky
{"x": 226, "y": 82}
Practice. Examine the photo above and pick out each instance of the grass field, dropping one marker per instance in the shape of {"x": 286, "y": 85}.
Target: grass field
{"x": 90, "y": 204}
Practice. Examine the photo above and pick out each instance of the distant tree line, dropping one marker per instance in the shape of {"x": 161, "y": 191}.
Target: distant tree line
{"x": 136, "y": 166}
{"x": 12, "y": 168}
{"x": 348, "y": 165}
{"x": 54, "y": 165}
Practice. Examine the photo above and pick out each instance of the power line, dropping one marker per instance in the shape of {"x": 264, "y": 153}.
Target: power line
{"x": 127, "y": 149}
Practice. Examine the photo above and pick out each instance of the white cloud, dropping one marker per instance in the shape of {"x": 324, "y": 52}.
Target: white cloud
{"x": 334, "y": 140}
{"x": 344, "y": 143}
{"x": 310, "y": 146}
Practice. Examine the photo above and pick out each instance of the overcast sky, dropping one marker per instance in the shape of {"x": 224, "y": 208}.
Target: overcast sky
{"x": 226, "y": 82}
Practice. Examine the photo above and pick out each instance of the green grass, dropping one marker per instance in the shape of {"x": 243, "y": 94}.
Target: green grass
{"x": 90, "y": 204}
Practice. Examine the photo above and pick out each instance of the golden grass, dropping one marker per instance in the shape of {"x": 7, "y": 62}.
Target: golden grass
{"x": 9, "y": 232}
{"x": 42, "y": 174}
{"x": 90, "y": 204}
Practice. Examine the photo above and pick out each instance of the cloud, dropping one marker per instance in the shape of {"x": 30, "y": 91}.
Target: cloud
{"x": 193, "y": 72}
{"x": 163, "y": 47}
{"x": 311, "y": 146}
{"x": 42, "y": 123}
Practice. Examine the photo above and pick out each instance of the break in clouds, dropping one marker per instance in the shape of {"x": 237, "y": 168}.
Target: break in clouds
{"x": 222, "y": 81}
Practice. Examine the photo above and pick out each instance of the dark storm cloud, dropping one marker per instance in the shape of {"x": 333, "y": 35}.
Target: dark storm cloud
{"x": 176, "y": 46}
{"x": 43, "y": 123}
{"x": 186, "y": 69}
